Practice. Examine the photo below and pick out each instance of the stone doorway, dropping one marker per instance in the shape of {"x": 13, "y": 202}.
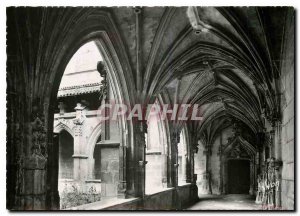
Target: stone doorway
{"x": 238, "y": 176}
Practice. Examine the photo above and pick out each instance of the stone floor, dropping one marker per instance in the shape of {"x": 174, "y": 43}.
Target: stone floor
{"x": 226, "y": 202}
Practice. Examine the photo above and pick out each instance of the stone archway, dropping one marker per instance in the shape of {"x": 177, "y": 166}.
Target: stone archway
{"x": 238, "y": 150}
{"x": 103, "y": 33}
{"x": 156, "y": 153}
{"x": 63, "y": 126}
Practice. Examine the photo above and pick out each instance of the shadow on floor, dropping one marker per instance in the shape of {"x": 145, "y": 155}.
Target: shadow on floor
{"x": 226, "y": 202}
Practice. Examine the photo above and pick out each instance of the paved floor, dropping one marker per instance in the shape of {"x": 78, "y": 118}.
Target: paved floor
{"x": 226, "y": 202}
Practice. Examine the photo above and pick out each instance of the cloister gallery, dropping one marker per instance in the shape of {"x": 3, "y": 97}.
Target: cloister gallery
{"x": 68, "y": 67}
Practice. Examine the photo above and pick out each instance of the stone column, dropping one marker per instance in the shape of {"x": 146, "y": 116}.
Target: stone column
{"x": 277, "y": 127}
{"x": 207, "y": 174}
{"x": 192, "y": 178}
{"x": 223, "y": 177}
{"x": 52, "y": 199}
{"x": 33, "y": 192}
{"x": 221, "y": 167}
{"x": 79, "y": 157}
{"x": 272, "y": 147}
{"x": 184, "y": 167}
{"x": 140, "y": 130}
{"x": 252, "y": 179}
{"x": 164, "y": 162}
{"x": 33, "y": 169}
{"x": 277, "y": 140}
{"x": 122, "y": 186}
{"x": 193, "y": 149}
{"x": 188, "y": 166}
{"x": 175, "y": 139}
{"x": 278, "y": 170}
{"x": 174, "y": 156}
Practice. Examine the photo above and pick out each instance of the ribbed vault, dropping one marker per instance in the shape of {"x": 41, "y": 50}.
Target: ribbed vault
{"x": 226, "y": 60}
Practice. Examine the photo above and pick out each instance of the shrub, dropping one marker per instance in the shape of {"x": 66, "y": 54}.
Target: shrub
{"x": 75, "y": 197}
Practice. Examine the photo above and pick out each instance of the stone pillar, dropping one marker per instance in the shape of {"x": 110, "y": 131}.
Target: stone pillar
{"x": 188, "y": 166}
{"x": 33, "y": 169}
{"x": 207, "y": 175}
{"x": 225, "y": 176}
{"x": 122, "y": 186}
{"x": 193, "y": 149}
{"x": 140, "y": 142}
{"x": 175, "y": 139}
{"x": 278, "y": 143}
{"x": 33, "y": 193}
{"x": 52, "y": 198}
{"x": 164, "y": 162}
{"x": 278, "y": 170}
{"x": 277, "y": 164}
{"x": 221, "y": 167}
{"x": 272, "y": 184}
{"x": 192, "y": 178}
{"x": 79, "y": 157}
{"x": 184, "y": 167}
{"x": 272, "y": 147}
{"x": 252, "y": 177}
{"x": 174, "y": 156}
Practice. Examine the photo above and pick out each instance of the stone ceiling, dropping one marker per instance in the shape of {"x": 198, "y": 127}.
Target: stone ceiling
{"x": 229, "y": 64}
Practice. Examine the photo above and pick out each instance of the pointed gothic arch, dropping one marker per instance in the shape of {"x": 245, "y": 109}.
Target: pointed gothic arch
{"x": 98, "y": 26}
{"x": 238, "y": 148}
{"x": 63, "y": 126}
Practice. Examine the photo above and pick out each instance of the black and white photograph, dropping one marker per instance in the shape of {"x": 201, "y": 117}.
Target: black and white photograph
{"x": 149, "y": 108}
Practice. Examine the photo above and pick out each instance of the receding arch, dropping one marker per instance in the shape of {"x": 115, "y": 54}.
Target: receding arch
{"x": 156, "y": 153}
{"x": 239, "y": 143}
{"x": 97, "y": 26}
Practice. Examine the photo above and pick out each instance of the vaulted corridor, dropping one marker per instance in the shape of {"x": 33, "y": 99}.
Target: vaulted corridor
{"x": 150, "y": 108}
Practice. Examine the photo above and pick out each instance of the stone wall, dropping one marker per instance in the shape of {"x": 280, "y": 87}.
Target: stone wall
{"x": 288, "y": 115}
{"x": 185, "y": 193}
{"x": 169, "y": 199}
{"x": 215, "y": 168}
{"x": 159, "y": 201}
